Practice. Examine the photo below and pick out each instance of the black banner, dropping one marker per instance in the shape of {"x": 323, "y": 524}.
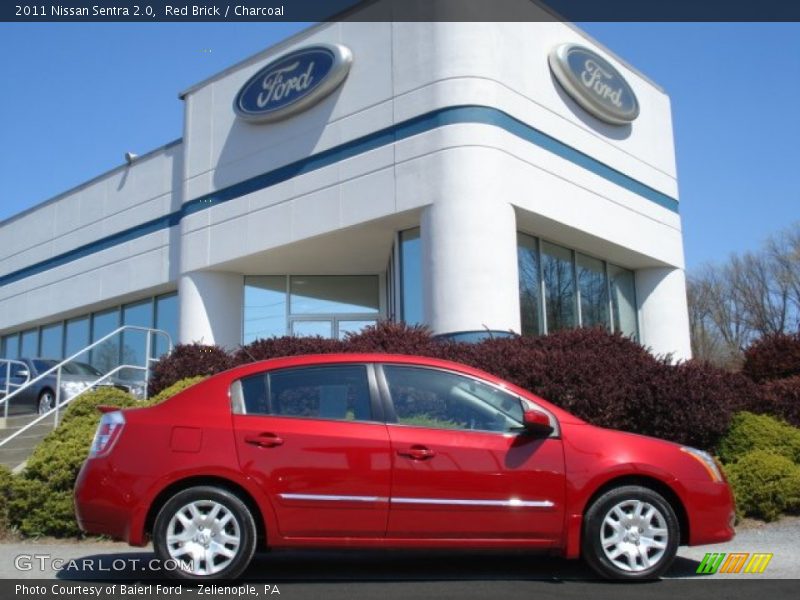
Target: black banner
{"x": 397, "y": 10}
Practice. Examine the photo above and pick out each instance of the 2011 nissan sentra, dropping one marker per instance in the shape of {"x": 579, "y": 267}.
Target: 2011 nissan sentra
{"x": 388, "y": 451}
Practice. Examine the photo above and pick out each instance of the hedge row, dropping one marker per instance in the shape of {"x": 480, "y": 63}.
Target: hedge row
{"x": 604, "y": 378}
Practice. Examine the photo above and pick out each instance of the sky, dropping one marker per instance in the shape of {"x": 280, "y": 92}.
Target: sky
{"x": 76, "y": 97}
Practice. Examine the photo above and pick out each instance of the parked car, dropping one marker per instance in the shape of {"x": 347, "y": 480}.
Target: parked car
{"x": 388, "y": 451}
{"x": 41, "y": 396}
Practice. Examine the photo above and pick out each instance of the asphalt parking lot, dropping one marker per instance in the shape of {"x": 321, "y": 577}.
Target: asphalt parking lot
{"x": 409, "y": 575}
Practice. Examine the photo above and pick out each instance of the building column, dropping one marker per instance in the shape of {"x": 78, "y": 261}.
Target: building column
{"x": 469, "y": 253}
{"x": 211, "y": 307}
{"x": 664, "y": 311}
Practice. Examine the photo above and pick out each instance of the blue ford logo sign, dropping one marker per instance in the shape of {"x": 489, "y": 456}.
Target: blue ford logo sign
{"x": 594, "y": 84}
{"x": 293, "y": 83}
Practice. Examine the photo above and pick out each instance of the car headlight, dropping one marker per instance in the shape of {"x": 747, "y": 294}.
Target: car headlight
{"x": 73, "y": 388}
{"x": 705, "y": 459}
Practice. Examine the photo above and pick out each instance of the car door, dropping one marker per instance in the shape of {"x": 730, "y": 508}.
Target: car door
{"x": 314, "y": 439}
{"x": 20, "y": 374}
{"x": 462, "y": 465}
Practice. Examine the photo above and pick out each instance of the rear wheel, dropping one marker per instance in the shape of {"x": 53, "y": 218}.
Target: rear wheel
{"x": 630, "y": 532}
{"x": 204, "y": 533}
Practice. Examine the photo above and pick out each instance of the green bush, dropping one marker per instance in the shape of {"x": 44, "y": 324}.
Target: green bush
{"x": 39, "y": 500}
{"x": 765, "y": 484}
{"x": 6, "y": 480}
{"x": 35, "y": 509}
{"x": 759, "y": 432}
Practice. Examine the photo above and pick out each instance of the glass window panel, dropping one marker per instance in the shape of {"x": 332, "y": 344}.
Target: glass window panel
{"x": 51, "y": 338}
{"x": 11, "y": 346}
{"x": 623, "y": 300}
{"x": 313, "y": 328}
{"x": 166, "y": 320}
{"x": 346, "y": 327}
{"x": 323, "y": 294}
{"x": 134, "y": 350}
{"x": 593, "y": 291}
{"x": 529, "y": 284}
{"x": 411, "y": 276}
{"x": 77, "y": 337}
{"x": 106, "y": 355}
{"x": 29, "y": 344}
{"x": 264, "y": 307}
{"x": 339, "y": 392}
{"x": 433, "y": 398}
{"x": 559, "y": 284}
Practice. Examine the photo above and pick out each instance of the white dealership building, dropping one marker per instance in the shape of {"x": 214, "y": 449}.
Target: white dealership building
{"x": 473, "y": 177}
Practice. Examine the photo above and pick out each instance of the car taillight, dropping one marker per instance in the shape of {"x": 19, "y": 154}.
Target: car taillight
{"x": 111, "y": 424}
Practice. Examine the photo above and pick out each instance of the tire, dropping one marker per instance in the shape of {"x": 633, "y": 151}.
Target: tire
{"x": 213, "y": 535}
{"x": 630, "y": 532}
{"x": 46, "y": 402}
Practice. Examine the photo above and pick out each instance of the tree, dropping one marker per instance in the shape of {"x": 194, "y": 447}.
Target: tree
{"x": 752, "y": 295}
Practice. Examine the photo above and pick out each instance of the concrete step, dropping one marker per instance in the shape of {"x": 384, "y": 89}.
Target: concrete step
{"x": 15, "y": 452}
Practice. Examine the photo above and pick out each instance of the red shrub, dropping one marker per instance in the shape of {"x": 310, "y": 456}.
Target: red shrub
{"x": 286, "y": 346}
{"x": 187, "y": 360}
{"x": 773, "y": 357}
{"x": 782, "y": 399}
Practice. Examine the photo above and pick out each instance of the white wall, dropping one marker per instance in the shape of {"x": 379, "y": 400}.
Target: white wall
{"x": 123, "y": 198}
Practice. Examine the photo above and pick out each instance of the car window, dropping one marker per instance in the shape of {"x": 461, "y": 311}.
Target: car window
{"x": 328, "y": 392}
{"x": 43, "y": 365}
{"x": 445, "y": 400}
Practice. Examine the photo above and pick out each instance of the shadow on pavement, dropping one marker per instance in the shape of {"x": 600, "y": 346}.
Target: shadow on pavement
{"x": 320, "y": 566}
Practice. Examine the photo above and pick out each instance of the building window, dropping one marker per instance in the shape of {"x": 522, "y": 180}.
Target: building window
{"x": 11, "y": 346}
{"x": 560, "y": 288}
{"x": 530, "y": 286}
{"x": 166, "y": 320}
{"x": 105, "y": 356}
{"x": 326, "y": 294}
{"x": 76, "y": 336}
{"x": 134, "y": 343}
{"x": 329, "y": 306}
{"x": 51, "y": 340}
{"x": 265, "y": 307}
{"x": 558, "y": 276}
{"x": 411, "y": 277}
{"x": 593, "y": 291}
{"x": 29, "y": 343}
{"x": 623, "y": 300}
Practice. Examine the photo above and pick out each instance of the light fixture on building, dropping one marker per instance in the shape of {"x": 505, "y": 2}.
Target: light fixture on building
{"x": 130, "y": 157}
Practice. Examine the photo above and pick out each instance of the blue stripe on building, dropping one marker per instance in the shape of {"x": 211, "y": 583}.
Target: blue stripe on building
{"x": 420, "y": 124}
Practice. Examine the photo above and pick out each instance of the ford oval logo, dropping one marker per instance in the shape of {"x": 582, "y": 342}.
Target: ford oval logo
{"x": 594, "y": 84}
{"x": 293, "y": 83}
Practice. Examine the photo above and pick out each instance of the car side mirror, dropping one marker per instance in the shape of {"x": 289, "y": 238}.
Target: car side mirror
{"x": 23, "y": 373}
{"x": 537, "y": 423}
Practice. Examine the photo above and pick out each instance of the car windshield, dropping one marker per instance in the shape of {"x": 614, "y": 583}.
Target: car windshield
{"x": 72, "y": 368}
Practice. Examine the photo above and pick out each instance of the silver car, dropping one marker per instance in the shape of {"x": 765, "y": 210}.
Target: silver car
{"x": 41, "y": 396}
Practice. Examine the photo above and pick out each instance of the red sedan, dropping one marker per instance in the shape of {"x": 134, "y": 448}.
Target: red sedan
{"x": 387, "y": 451}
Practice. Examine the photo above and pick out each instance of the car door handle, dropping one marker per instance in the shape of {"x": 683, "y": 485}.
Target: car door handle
{"x": 417, "y": 452}
{"x": 264, "y": 440}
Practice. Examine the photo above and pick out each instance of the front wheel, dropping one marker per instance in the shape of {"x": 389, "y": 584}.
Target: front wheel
{"x": 630, "y": 532}
{"x": 204, "y": 533}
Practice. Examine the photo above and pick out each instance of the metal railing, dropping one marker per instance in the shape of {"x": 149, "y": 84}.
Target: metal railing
{"x": 57, "y": 369}
{"x": 8, "y": 385}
